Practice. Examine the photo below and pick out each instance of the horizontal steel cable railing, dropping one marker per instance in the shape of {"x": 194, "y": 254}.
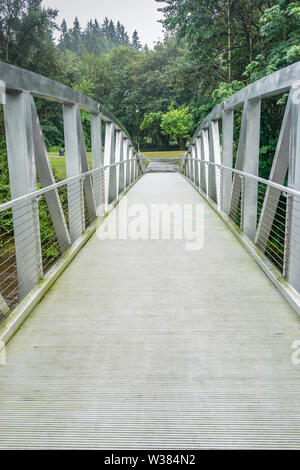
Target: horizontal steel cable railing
{"x": 46, "y": 218}
{"x": 266, "y": 212}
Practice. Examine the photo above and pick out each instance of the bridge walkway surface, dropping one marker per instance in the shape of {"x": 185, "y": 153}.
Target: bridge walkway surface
{"x": 158, "y": 165}
{"x": 143, "y": 344}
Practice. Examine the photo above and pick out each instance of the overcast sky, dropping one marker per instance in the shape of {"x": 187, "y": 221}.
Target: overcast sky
{"x": 133, "y": 14}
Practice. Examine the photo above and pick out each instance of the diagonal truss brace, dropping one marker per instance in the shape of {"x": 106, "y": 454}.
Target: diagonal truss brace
{"x": 247, "y": 160}
{"x": 46, "y": 177}
{"x": 277, "y": 175}
{"x": 87, "y": 182}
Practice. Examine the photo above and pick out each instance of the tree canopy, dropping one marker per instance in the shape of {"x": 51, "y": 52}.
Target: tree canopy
{"x": 211, "y": 49}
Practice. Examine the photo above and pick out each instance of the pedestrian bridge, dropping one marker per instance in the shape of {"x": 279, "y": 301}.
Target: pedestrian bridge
{"x": 139, "y": 338}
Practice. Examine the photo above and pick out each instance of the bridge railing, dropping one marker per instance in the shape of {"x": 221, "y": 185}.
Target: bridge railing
{"x": 46, "y": 219}
{"x": 265, "y": 213}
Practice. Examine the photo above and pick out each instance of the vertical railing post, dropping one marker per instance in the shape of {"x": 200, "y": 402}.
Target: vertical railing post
{"x": 293, "y": 265}
{"x": 122, "y": 165}
{"x": 202, "y": 165}
{"x": 185, "y": 166}
{"x": 205, "y": 156}
{"x": 135, "y": 166}
{"x": 190, "y": 166}
{"x": 96, "y": 139}
{"x": 130, "y": 164}
{"x": 119, "y": 158}
{"x": 125, "y": 160}
{"x": 286, "y": 253}
{"x": 73, "y": 168}
{"x": 22, "y": 175}
{"x": 198, "y": 166}
{"x": 194, "y": 156}
{"x": 215, "y": 157}
{"x": 138, "y": 166}
{"x": 242, "y": 210}
{"x": 227, "y": 158}
{"x": 109, "y": 159}
{"x": 251, "y": 164}
{"x": 187, "y": 163}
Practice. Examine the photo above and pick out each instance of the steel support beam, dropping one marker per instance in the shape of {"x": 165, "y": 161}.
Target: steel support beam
{"x": 119, "y": 158}
{"x": 122, "y": 165}
{"x": 109, "y": 159}
{"x": 214, "y": 157}
{"x": 130, "y": 164}
{"x": 198, "y": 166}
{"x": 227, "y": 158}
{"x": 239, "y": 165}
{"x": 251, "y": 164}
{"x": 87, "y": 181}
{"x": 22, "y": 175}
{"x": 46, "y": 178}
{"x": 277, "y": 175}
{"x": 194, "y": 167}
{"x": 98, "y": 180}
{"x": 205, "y": 158}
{"x": 73, "y": 167}
{"x": 190, "y": 166}
{"x": 293, "y": 230}
{"x": 126, "y": 163}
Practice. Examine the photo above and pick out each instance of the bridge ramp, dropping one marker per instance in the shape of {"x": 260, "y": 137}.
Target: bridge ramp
{"x": 142, "y": 344}
{"x": 158, "y": 165}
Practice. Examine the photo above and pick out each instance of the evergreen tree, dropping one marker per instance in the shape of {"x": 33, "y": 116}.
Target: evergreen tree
{"x": 63, "y": 28}
{"x": 25, "y": 28}
{"x": 65, "y": 38}
{"x": 111, "y": 33}
{"x": 136, "y": 41}
{"x": 119, "y": 33}
{"x": 105, "y": 27}
{"x": 75, "y": 37}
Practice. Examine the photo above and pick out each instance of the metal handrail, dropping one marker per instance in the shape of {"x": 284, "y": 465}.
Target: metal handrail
{"x": 287, "y": 189}
{"x": 17, "y": 79}
{"x": 8, "y": 205}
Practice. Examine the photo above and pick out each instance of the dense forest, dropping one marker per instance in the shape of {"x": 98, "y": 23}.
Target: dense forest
{"x": 211, "y": 49}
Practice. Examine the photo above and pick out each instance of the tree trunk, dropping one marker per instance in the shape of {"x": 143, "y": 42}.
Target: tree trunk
{"x": 181, "y": 142}
{"x": 229, "y": 40}
{"x": 6, "y": 51}
{"x": 251, "y": 45}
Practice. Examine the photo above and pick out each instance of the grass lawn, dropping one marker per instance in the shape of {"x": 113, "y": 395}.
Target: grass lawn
{"x": 59, "y": 167}
{"x": 172, "y": 153}
{"x": 59, "y": 163}
{"x": 54, "y": 154}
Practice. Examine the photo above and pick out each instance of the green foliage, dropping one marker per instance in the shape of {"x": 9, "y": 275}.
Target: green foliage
{"x": 225, "y": 90}
{"x": 229, "y": 44}
{"x": 279, "y": 26}
{"x": 26, "y": 33}
{"x": 151, "y": 127}
{"x": 96, "y": 39}
{"x": 177, "y": 123}
{"x": 136, "y": 41}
